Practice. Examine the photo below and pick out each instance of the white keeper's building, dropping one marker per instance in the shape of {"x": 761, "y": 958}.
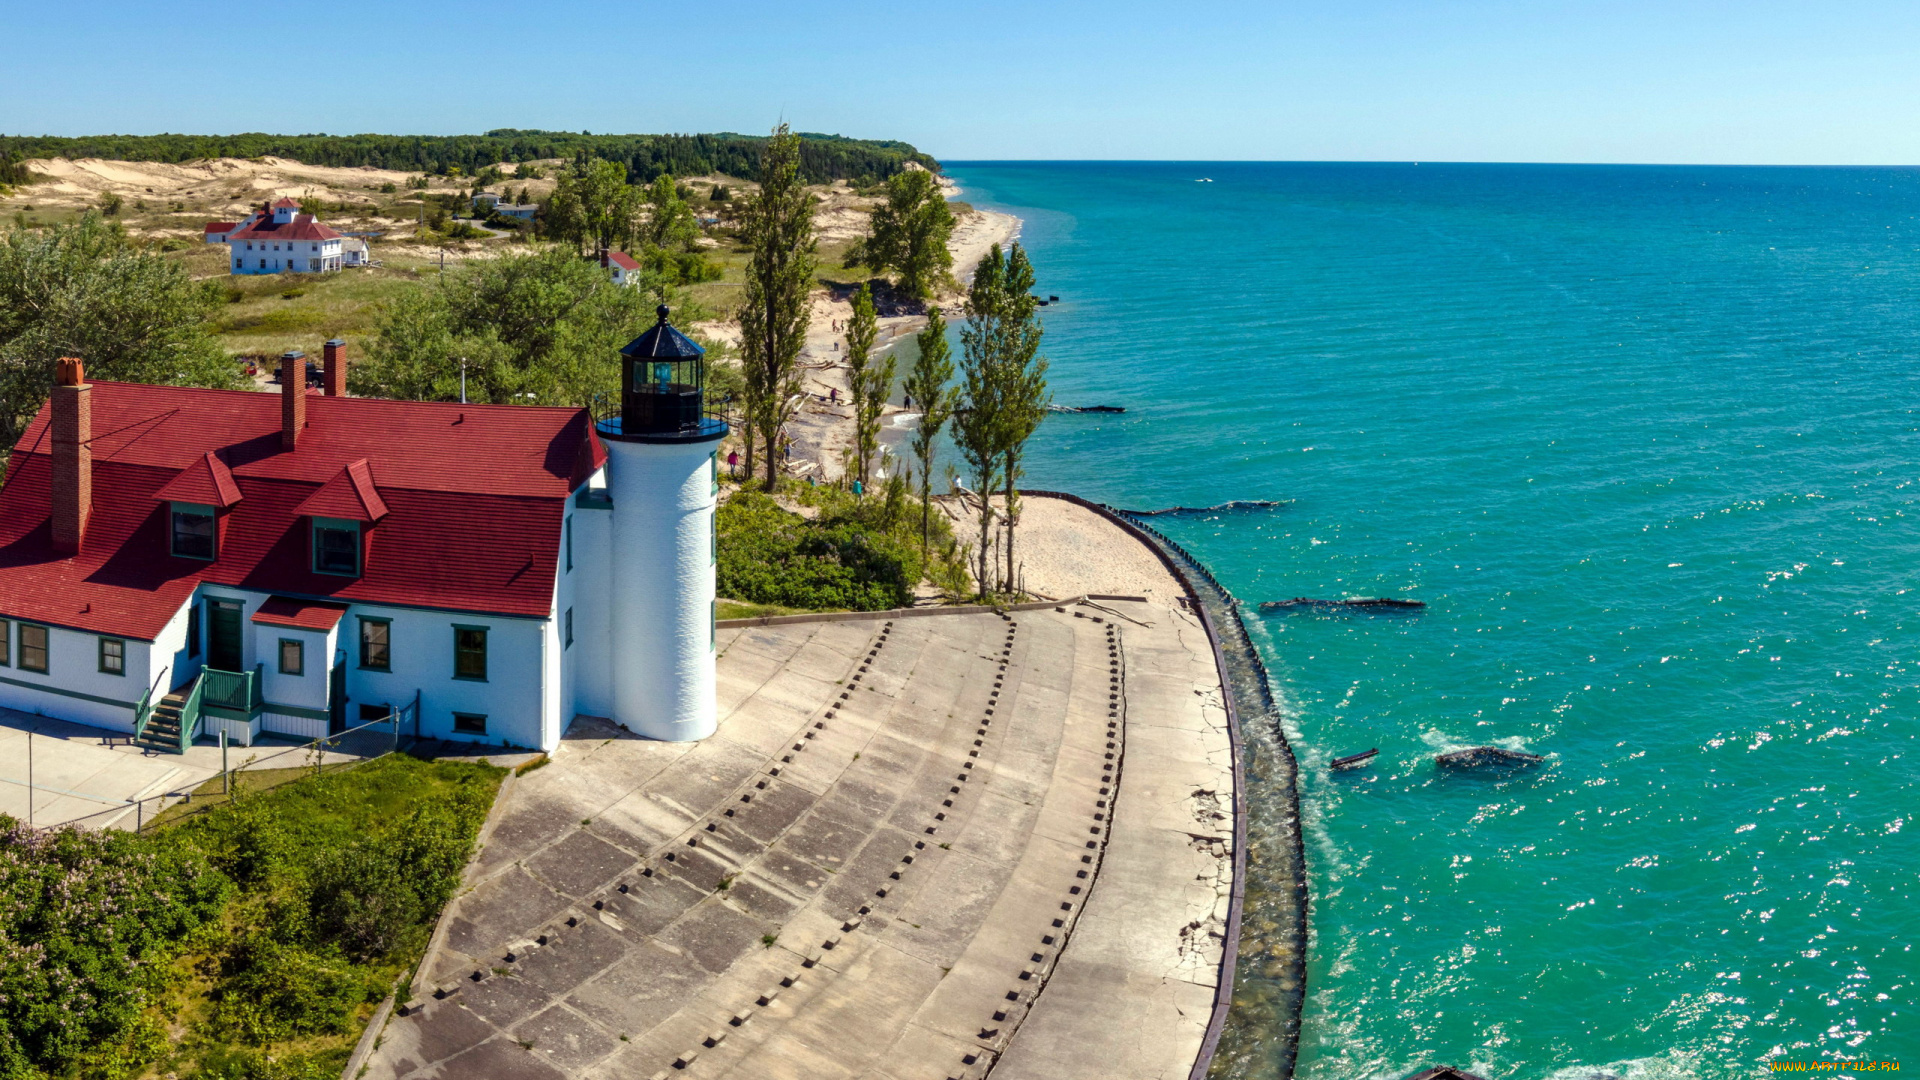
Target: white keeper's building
{"x": 175, "y": 562}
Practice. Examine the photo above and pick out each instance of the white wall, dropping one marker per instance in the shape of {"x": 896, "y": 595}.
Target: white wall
{"x": 662, "y": 587}
{"x": 283, "y": 255}
{"x": 73, "y": 665}
{"x": 307, "y": 690}
{"x": 512, "y": 699}
{"x": 589, "y": 662}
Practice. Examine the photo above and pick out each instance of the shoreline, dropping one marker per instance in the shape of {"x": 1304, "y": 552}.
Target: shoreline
{"x": 821, "y": 430}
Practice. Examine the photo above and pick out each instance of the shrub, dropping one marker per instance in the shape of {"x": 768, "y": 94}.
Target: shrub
{"x": 272, "y": 991}
{"x": 371, "y": 895}
{"x": 845, "y": 558}
{"x": 85, "y": 920}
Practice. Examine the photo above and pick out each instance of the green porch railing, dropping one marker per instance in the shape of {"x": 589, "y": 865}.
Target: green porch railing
{"x": 224, "y": 695}
{"x": 232, "y": 693}
{"x": 143, "y": 712}
{"x": 190, "y": 712}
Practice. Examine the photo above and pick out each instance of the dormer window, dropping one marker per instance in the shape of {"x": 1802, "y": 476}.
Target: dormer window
{"x": 336, "y": 547}
{"x": 193, "y": 531}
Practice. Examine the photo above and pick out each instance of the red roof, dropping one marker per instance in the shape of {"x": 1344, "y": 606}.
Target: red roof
{"x": 299, "y": 614}
{"x": 222, "y": 226}
{"x": 622, "y": 260}
{"x": 349, "y": 495}
{"x": 302, "y": 227}
{"x": 287, "y": 202}
{"x": 208, "y": 482}
{"x": 474, "y": 495}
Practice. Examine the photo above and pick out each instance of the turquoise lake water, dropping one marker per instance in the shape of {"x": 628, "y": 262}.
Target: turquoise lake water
{"x": 1645, "y": 440}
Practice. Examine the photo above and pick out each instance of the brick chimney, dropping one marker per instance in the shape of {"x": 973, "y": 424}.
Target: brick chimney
{"x": 603, "y": 255}
{"x": 334, "y": 362}
{"x": 293, "y": 398}
{"x": 72, "y": 455}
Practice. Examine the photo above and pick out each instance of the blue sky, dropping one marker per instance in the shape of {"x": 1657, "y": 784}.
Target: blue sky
{"x": 1836, "y": 82}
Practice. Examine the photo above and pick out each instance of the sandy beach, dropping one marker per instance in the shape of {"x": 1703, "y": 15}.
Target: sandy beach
{"x": 822, "y": 431}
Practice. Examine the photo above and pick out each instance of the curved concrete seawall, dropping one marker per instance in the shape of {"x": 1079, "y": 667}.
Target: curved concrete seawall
{"x": 1255, "y": 1028}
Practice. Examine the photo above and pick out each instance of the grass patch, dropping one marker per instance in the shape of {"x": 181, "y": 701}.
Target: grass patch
{"x": 248, "y": 941}
{"x": 741, "y": 609}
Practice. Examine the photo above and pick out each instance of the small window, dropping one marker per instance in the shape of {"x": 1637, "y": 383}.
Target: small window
{"x": 713, "y": 624}
{"x": 466, "y": 723}
{"x": 376, "y": 638}
{"x": 6, "y": 643}
{"x": 336, "y": 547}
{"x": 193, "y": 632}
{"x": 569, "y": 629}
{"x": 113, "y": 656}
{"x": 193, "y": 531}
{"x": 293, "y": 657}
{"x": 713, "y": 543}
{"x": 567, "y": 532}
{"x": 713, "y": 465}
{"x": 33, "y": 648}
{"x": 470, "y": 652}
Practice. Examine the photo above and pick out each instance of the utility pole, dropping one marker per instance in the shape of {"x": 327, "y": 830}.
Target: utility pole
{"x": 463, "y": 380}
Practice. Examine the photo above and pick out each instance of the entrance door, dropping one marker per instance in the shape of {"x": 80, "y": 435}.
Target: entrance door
{"x": 223, "y": 634}
{"x": 337, "y": 699}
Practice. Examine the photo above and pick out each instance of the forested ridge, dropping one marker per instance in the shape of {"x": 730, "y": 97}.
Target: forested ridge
{"x": 822, "y": 157}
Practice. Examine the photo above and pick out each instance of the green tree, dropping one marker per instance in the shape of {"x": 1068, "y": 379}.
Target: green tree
{"x": 1006, "y": 390}
{"x": 1022, "y": 375}
{"x": 546, "y": 324}
{"x": 908, "y": 234}
{"x": 926, "y": 385}
{"x": 862, "y": 329}
{"x": 84, "y": 290}
{"x": 670, "y": 223}
{"x": 593, "y": 206}
{"x": 977, "y": 421}
{"x": 778, "y": 228}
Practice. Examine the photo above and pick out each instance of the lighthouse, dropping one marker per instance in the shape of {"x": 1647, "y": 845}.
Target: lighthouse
{"x": 663, "y": 478}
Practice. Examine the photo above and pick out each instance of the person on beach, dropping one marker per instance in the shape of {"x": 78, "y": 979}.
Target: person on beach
{"x": 733, "y": 463}
{"x": 833, "y": 394}
{"x": 857, "y": 489}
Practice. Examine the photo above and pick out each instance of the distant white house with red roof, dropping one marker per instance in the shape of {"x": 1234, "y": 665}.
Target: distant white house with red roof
{"x": 179, "y": 562}
{"x": 624, "y": 269}
{"x": 279, "y": 239}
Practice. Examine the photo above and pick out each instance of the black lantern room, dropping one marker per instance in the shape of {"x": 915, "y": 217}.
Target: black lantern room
{"x": 663, "y": 382}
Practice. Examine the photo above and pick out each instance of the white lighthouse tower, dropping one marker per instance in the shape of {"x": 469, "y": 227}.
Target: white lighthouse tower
{"x": 663, "y": 479}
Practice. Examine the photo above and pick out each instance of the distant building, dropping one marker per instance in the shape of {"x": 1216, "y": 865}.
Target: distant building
{"x": 625, "y": 270}
{"x": 280, "y": 239}
{"x": 354, "y": 252}
{"x": 218, "y": 231}
{"x": 488, "y": 201}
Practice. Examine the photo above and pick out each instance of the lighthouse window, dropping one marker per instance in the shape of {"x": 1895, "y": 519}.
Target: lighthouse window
{"x": 663, "y": 375}
{"x": 470, "y": 652}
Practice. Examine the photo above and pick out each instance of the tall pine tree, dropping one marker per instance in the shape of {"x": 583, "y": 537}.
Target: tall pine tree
{"x": 862, "y": 329}
{"x": 926, "y": 385}
{"x": 778, "y": 228}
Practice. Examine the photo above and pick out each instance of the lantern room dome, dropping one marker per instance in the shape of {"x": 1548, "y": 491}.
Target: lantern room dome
{"x": 662, "y": 342}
